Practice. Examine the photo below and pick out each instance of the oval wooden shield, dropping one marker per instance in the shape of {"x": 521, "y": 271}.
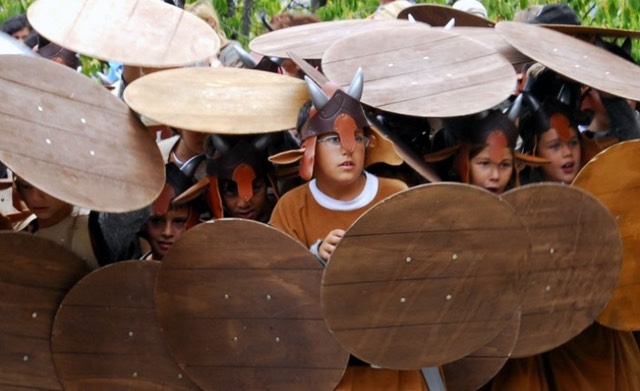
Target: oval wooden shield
{"x": 145, "y": 33}
{"x": 422, "y": 71}
{"x": 575, "y": 59}
{"x": 105, "y": 335}
{"x": 575, "y": 262}
{"x": 310, "y": 41}
{"x": 493, "y": 39}
{"x": 219, "y": 100}
{"x": 239, "y": 305}
{"x": 73, "y": 139}
{"x": 437, "y": 15}
{"x": 613, "y": 177}
{"x": 427, "y": 276}
{"x": 475, "y": 370}
{"x": 35, "y": 274}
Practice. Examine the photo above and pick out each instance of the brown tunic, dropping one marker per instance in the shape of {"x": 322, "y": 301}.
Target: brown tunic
{"x": 302, "y": 217}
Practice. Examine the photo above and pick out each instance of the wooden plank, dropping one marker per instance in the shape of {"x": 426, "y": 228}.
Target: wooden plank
{"x": 35, "y": 274}
{"x": 240, "y": 300}
{"x": 575, "y": 263}
{"x": 126, "y": 31}
{"x": 575, "y": 59}
{"x": 476, "y": 369}
{"x": 105, "y": 333}
{"x": 219, "y": 100}
{"x": 453, "y": 278}
{"x": 613, "y": 177}
{"x": 310, "y": 41}
{"x": 73, "y": 139}
{"x": 420, "y": 71}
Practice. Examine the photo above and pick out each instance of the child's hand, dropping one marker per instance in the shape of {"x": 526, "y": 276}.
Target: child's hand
{"x": 329, "y": 243}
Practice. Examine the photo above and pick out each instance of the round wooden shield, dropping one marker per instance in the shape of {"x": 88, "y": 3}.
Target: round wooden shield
{"x": 493, "y": 39}
{"x": 239, "y": 305}
{"x": 145, "y": 33}
{"x": 219, "y": 100}
{"x": 310, "y": 41}
{"x": 35, "y": 274}
{"x": 427, "y": 276}
{"x": 422, "y": 71}
{"x": 105, "y": 335}
{"x": 73, "y": 139}
{"x": 576, "y": 255}
{"x": 593, "y": 31}
{"x": 613, "y": 177}
{"x": 437, "y": 15}
{"x": 575, "y": 59}
{"x": 475, "y": 370}
{"x": 10, "y": 45}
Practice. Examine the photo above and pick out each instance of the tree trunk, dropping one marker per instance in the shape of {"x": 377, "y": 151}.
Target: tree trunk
{"x": 247, "y": 11}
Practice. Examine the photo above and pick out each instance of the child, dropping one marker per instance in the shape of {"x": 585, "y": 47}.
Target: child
{"x": 485, "y": 153}
{"x": 337, "y": 143}
{"x": 169, "y": 221}
{"x": 239, "y": 178}
{"x": 98, "y": 238}
{"x": 552, "y": 134}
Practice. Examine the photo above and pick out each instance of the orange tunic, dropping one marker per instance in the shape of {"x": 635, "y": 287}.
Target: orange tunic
{"x": 598, "y": 359}
{"x": 302, "y": 217}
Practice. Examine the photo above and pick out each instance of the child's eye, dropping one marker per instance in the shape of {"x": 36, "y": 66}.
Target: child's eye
{"x": 554, "y": 146}
{"x": 156, "y": 220}
{"x": 574, "y": 142}
{"x": 333, "y": 141}
{"x": 180, "y": 222}
{"x": 505, "y": 165}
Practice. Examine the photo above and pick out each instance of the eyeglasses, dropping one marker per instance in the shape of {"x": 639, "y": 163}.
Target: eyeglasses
{"x": 334, "y": 141}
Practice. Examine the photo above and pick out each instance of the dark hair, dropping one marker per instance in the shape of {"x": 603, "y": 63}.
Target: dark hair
{"x": 15, "y": 23}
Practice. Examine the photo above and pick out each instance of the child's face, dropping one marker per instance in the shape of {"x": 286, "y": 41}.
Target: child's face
{"x": 193, "y": 141}
{"x": 491, "y": 175}
{"x": 564, "y": 156}
{"x": 164, "y": 230}
{"x": 49, "y": 210}
{"x": 245, "y": 209}
{"x": 336, "y": 165}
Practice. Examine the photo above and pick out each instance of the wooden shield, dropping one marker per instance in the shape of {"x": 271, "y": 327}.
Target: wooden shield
{"x": 613, "y": 177}
{"x": 310, "y": 41}
{"x": 71, "y": 138}
{"x": 35, "y": 274}
{"x": 437, "y": 15}
{"x": 575, "y": 59}
{"x": 421, "y": 71}
{"x": 105, "y": 335}
{"x": 475, "y": 370}
{"x": 575, "y": 262}
{"x": 427, "y": 276}
{"x": 493, "y": 39}
{"x": 219, "y": 100}
{"x": 145, "y": 33}
{"x": 239, "y": 306}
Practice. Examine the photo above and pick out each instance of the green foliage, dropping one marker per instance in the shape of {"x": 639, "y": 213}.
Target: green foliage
{"x": 8, "y": 8}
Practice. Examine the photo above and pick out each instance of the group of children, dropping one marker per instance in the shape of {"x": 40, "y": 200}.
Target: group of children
{"x": 533, "y": 137}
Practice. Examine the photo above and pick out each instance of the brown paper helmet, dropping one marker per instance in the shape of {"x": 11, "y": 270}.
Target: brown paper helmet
{"x": 343, "y": 114}
{"x": 239, "y": 161}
